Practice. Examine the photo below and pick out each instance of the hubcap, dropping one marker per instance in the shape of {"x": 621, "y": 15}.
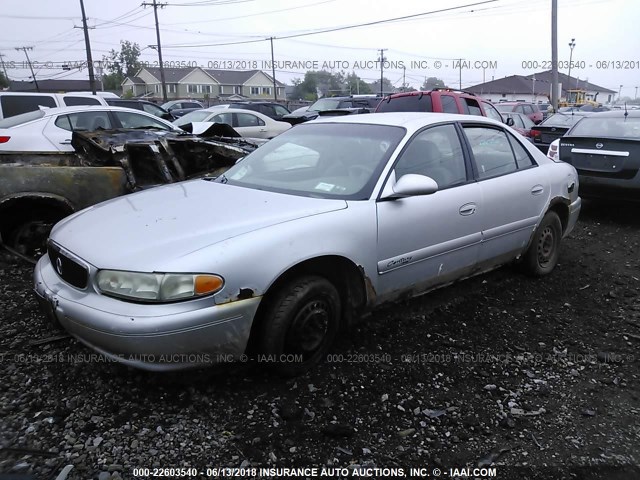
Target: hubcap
{"x": 545, "y": 246}
{"x": 309, "y": 327}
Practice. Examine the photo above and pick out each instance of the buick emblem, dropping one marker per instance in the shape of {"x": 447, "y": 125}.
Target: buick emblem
{"x": 59, "y": 266}
{"x": 599, "y": 145}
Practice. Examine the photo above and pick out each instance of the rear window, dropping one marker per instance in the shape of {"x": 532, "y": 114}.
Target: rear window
{"x": 612, "y": 127}
{"x": 504, "y": 108}
{"x": 16, "y": 104}
{"x": 72, "y": 101}
{"x": 561, "y": 120}
{"x": 20, "y": 119}
{"x": 407, "y": 103}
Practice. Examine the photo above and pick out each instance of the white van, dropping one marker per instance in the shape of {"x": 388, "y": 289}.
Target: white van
{"x": 15, "y": 103}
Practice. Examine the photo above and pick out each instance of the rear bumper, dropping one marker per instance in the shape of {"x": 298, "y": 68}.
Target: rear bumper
{"x": 610, "y": 188}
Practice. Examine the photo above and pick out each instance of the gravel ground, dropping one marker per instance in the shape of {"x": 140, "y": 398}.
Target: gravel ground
{"x": 533, "y": 376}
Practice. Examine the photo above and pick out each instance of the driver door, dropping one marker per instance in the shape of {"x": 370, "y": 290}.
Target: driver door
{"x": 427, "y": 240}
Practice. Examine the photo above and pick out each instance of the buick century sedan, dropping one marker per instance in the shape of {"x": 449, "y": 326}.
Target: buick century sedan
{"x": 303, "y": 235}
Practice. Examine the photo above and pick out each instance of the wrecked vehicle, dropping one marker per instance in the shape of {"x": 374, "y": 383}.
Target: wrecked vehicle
{"x": 325, "y": 221}
{"x": 39, "y": 189}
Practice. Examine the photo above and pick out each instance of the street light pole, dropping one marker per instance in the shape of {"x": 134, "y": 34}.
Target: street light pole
{"x": 572, "y": 44}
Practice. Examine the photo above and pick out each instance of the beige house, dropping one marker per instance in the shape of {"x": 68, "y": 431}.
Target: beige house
{"x": 200, "y": 84}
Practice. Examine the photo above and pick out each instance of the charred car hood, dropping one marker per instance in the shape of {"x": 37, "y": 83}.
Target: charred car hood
{"x": 139, "y": 231}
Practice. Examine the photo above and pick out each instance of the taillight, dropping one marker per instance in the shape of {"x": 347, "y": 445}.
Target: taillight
{"x": 536, "y": 134}
{"x": 4, "y": 139}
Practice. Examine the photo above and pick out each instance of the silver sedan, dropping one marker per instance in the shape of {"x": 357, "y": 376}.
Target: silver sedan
{"x": 302, "y": 236}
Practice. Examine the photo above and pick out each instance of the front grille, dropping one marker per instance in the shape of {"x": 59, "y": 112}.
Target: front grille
{"x": 66, "y": 268}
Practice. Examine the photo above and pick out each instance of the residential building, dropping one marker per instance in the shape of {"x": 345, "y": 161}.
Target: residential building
{"x": 202, "y": 84}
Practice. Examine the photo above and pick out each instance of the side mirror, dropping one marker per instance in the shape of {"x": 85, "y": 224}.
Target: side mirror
{"x": 510, "y": 122}
{"x": 411, "y": 185}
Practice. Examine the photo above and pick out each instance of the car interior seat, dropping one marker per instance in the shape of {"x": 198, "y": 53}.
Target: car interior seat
{"x": 423, "y": 157}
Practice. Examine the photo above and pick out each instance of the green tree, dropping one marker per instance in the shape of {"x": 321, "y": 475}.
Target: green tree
{"x": 319, "y": 83}
{"x": 4, "y": 81}
{"x": 387, "y": 86}
{"x": 431, "y": 83}
{"x": 356, "y": 85}
{"x": 121, "y": 64}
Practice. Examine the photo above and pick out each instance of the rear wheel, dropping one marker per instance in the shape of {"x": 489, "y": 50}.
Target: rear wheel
{"x": 542, "y": 255}
{"x": 301, "y": 323}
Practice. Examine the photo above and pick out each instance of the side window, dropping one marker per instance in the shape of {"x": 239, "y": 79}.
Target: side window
{"x": 152, "y": 109}
{"x": 191, "y": 105}
{"x": 248, "y": 120}
{"x": 528, "y": 109}
{"x": 16, "y": 104}
{"x": 280, "y": 110}
{"x": 518, "y": 119}
{"x": 63, "y": 122}
{"x": 224, "y": 118}
{"x": 472, "y": 107}
{"x": 89, "y": 121}
{"x": 135, "y": 120}
{"x": 436, "y": 153}
{"x": 72, "y": 101}
{"x": 449, "y": 104}
{"x": 523, "y": 159}
{"x": 491, "y": 112}
{"x": 519, "y": 109}
{"x": 491, "y": 151}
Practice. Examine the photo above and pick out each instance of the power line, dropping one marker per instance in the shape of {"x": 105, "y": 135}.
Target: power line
{"x": 336, "y": 29}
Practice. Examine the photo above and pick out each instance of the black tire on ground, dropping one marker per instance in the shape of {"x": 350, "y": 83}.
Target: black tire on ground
{"x": 302, "y": 320}
{"x": 542, "y": 255}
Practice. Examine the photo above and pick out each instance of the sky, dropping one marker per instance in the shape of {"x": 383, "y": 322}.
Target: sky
{"x": 495, "y": 38}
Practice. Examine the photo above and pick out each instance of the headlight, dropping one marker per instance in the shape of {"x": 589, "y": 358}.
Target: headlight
{"x": 157, "y": 287}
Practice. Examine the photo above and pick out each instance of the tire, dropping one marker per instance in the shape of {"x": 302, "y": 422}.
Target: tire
{"x": 302, "y": 319}
{"x": 542, "y": 255}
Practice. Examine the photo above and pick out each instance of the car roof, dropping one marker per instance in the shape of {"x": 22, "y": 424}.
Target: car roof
{"x": 84, "y": 108}
{"x": 409, "y": 120}
{"x": 615, "y": 113}
{"x": 231, "y": 110}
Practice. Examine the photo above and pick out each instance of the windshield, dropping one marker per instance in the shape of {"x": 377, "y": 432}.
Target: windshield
{"x": 561, "y": 120}
{"x": 197, "y": 116}
{"x": 20, "y": 119}
{"x": 611, "y": 127}
{"x": 325, "y": 104}
{"x": 324, "y": 160}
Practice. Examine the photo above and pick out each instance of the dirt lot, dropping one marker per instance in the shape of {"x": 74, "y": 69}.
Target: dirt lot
{"x": 538, "y": 376}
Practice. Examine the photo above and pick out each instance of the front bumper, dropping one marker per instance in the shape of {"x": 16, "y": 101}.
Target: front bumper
{"x": 152, "y": 337}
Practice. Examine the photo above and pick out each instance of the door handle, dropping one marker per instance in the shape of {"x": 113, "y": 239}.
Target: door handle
{"x": 66, "y": 142}
{"x": 263, "y": 129}
{"x": 537, "y": 189}
{"x": 468, "y": 209}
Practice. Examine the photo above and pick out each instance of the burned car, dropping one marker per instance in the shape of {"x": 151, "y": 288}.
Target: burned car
{"x": 298, "y": 239}
{"x": 37, "y": 189}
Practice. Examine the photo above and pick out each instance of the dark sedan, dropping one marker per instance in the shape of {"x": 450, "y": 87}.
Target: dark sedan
{"x": 334, "y": 106}
{"x": 554, "y": 127}
{"x": 605, "y": 150}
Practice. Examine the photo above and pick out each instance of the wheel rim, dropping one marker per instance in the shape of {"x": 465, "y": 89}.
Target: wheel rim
{"x": 309, "y": 327}
{"x": 546, "y": 246}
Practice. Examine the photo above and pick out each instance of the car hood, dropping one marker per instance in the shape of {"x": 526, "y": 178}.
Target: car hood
{"x": 140, "y": 231}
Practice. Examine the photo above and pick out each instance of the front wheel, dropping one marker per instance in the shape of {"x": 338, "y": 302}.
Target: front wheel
{"x": 542, "y": 255}
{"x": 301, "y": 323}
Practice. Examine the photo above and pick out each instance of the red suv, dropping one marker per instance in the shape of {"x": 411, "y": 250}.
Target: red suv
{"x": 440, "y": 100}
{"x": 531, "y": 110}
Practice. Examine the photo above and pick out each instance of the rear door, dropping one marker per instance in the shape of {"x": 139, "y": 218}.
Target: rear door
{"x": 249, "y": 125}
{"x": 60, "y": 128}
{"x": 514, "y": 194}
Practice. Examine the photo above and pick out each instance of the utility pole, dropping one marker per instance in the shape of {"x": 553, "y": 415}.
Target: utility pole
{"x": 33, "y": 75}
{"x": 4, "y": 67}
{"x": 92, "y": 80}
{"x": 404, "y": 78}
{"x": 273, "y": 73}
{"x": 554, "y": 54}
{"x": 155, "y": 6}
{"x": 381, "y": 50}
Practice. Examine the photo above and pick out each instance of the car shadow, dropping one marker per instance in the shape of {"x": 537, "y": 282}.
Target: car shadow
{"x": 612, "y": 211}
